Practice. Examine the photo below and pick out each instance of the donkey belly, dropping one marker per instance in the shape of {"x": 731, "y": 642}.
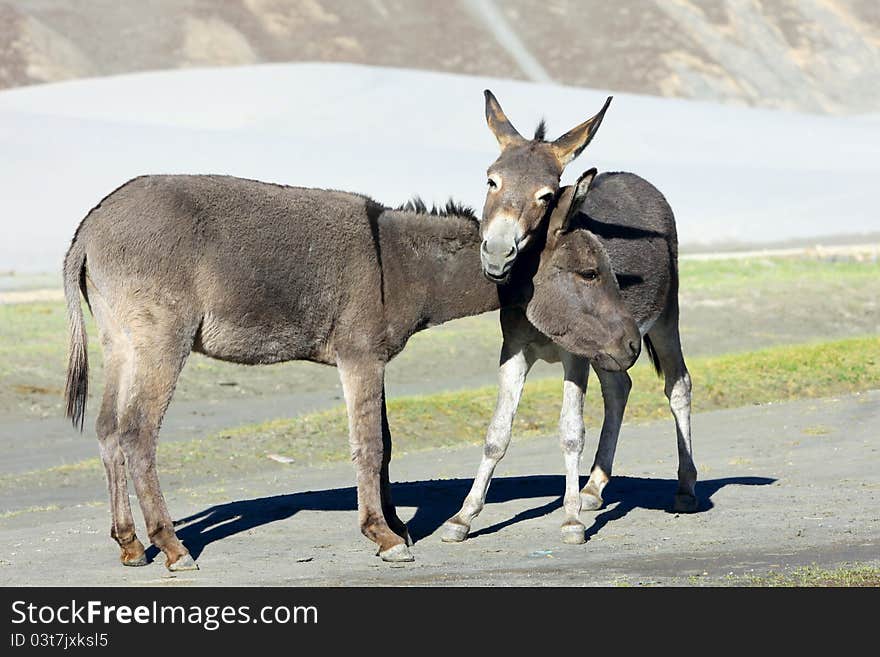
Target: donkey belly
{"x": 239, "y": 341}
{"x": 260, "y": 324}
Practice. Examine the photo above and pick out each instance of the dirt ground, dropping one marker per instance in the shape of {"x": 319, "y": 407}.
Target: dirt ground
{"x": 781, "y": 485}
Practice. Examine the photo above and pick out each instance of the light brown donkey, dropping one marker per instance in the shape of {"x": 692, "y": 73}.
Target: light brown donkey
{"x": 254, "y": 273}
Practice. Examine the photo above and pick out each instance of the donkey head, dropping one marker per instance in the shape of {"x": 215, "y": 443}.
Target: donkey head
{"x": 576, "y": 300}
{"x": 523, "y": 184}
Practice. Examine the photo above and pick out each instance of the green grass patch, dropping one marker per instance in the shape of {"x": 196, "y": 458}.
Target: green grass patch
{"x": 771, "y": 300}
{"x": 728, "y": 275}
{"x": 31, "y": 509}
{"x": 769, "y": 375}
{"x": 454, "y": 418}
{"x": 33, "y": 335}
{"x": 850, "y": 576}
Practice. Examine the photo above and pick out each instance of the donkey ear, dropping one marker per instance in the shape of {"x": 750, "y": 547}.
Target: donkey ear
{"x": 570, "y": 202}
{"x": 581, "y": 187}
{"x": 570, "y": 145}
{"x": 500, "y": 126}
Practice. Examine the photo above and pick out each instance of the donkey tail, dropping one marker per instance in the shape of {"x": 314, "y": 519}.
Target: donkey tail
{"x": 76, "y": 389}
{"x": 652, "y": 353}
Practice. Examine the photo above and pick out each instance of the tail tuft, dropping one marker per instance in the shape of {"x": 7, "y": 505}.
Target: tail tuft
{"x": 76, "y": 390}
{"x": 652, "y": 353}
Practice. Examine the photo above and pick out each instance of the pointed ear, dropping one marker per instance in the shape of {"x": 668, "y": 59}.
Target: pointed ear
{"x": 570, "y": 145}
{"x": 569, "y": 204}
{"x": 503, "y": 129}
{"x": 581, "y": 188}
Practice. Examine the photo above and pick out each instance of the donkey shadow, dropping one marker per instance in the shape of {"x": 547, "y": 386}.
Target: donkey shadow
{"x": 437, "y": 500}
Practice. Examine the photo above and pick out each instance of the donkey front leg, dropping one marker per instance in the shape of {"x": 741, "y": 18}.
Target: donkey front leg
{"x": 571, "y": 437}
{"x": 512, "y": 377}
{"x": 362, "y": 384}
{"x": 615, "y": 393}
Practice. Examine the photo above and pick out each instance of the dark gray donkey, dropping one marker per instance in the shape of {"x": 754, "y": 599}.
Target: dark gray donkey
{"x": 254, "y": 273}
{"x": 636, "y": 231}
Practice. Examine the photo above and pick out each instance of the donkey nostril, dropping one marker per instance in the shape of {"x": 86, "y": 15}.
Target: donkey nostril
{"x": 484, "y": 248}
{"x": 634, "y": 347}
{"x": 511, "y": 251}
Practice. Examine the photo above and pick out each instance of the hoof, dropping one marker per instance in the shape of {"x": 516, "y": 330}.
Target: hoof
{"x": 454, "y": 532}
{"x": 186, "y": 562}
{"x": 590, "y": 502}
{"x": 573, "y": 534}
{"x": 685, "y": 503}
{"x": 397, "y": 553}
{"x": 140, "y": 560}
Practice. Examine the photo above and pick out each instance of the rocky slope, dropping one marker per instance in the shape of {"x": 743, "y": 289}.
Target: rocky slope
{"x": 812, "y": 55}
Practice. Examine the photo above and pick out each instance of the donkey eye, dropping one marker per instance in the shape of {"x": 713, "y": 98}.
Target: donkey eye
{"x": 545, "y": 195}
{"x": 589, "y": 275}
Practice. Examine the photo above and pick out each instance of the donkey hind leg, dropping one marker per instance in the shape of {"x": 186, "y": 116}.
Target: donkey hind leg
{"x": 665, "y": 339}
{"x": 512, "y": 376}
{"x": 122, "y": 525}
{"x": 362, "y": 384}
{"x": 615, "y": 393}
{"x": 388, "y": 509}
{"x": 156, "y": 358}
{"x": 571, "y": 438}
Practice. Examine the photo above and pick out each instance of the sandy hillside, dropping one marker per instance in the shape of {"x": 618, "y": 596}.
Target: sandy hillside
{"x": 811, "y": 56}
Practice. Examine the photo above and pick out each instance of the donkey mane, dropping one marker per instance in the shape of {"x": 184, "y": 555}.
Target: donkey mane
{"x": 541, "y": 131}
{"x": 452, "y": 209}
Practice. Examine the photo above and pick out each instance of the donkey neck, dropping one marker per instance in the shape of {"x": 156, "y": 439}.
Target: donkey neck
{"x": 431, "y": 272}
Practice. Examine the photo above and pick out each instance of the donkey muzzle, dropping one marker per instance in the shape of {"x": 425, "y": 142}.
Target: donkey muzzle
{"x": 621, "y": 357}
{"x": 497, "y": 258}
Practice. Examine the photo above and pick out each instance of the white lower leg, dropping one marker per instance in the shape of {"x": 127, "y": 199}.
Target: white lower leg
{"x": 571, "y": 436}
{"x": 591, "y": 494}
{"x": 680, "y": 405}
{"x": 512, "y": 377}
{"x": 571, "y": 430}
{"x": 457, "y": 527}
{"x": 476, "y": 498}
